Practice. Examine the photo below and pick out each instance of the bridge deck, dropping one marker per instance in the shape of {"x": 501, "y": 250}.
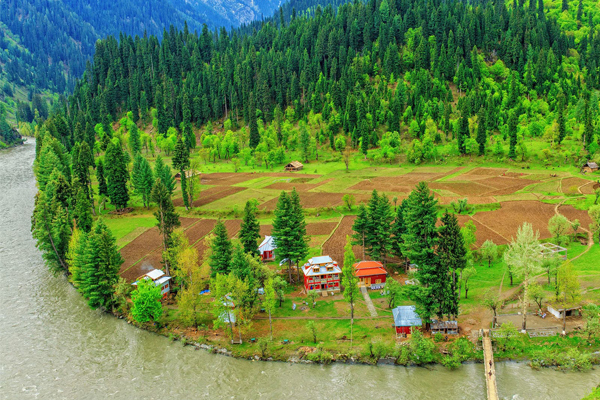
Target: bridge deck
{"x": 490, "y": 367}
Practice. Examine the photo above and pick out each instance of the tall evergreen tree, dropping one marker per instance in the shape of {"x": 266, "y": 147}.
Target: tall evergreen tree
{"x": 299, "y": 249}
{"x": 452, "y": 259}
{"x": 481, "y": 131}
{"x": 167, "y": 218}
{"x": 420, "y": 240}
{"x": 283, "y": 231}
{"x": 117, "y": 176}
{"x": 83, "y": 211}
{"x": 250, "y": 229}
{"x": 102, "y": 187}
{"x": 142, "y": 178}
{"x": 398, "y": 229}
{"x": 254, "y": 134}
{"x": 221, "y": 254}
{"x": 360, "y": 228}
{"x": 133, "y": 139}
{"x": 163, "y": 172}
{"x": 512, "y": 133}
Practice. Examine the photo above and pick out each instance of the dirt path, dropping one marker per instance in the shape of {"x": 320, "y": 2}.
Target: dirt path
{"x": 590, "y": 235}
{"x": 368, "y": 301}
{"x": 585, "y": 184}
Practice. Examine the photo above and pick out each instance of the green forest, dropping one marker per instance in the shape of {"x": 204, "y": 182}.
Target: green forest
{"x": 350, "y": 91}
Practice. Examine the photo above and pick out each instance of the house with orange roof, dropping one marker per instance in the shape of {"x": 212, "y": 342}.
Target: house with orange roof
{"x": 371, "y": 273}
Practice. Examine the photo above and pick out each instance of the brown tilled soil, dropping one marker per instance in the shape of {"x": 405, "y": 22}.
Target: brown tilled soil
{"x": 211, "y": 194}
{"x": 230, "y": 178}
{"x": 480, "y": 173}
{"x": 513, "y": 214}
{"x": 265, "y": 230}
{"x": 334, "y": 247}
{"x": 200, "y": 229}
{"x": 572, "y": 214}
{"x": 462, "y": 188}
{"x": 472, "y": 199}
{"x": 571, "y": 185}
{"x": 300, "y": 187}
{"x": 483, "y": 233}
{"x": 312, "y": 200}
{"x": 139, "y": 247}
{"x": 320, "y": 228}
{"x": 233, "y": 226}
{"x": 380, "y": 183}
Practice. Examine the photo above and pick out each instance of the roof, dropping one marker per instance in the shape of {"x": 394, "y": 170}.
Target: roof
{"x": 295, "y": 164}
{"x": 268, "y": 244}
{"x": 406, "y": 316}
{"x": 370, "y": 272}
{"x": 155, "y": 274}
{"x": 162, "y": 280}
{"x": 441, "y": 325}
{"x": 320, "y": 260}
{"x": 367, "y": 264}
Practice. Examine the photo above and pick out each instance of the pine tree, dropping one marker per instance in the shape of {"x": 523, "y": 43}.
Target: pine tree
{"x": 283, "y": 232}
{"x": 167, "y": 218}
{"x": 76, "y": 256}
{"x": 142, "y": 178}
{"x": 562, "y": 126}
{"x": 512, "y": 133}
{"x": 133, "y": 140}
{"x": 380, "y": 229}
{"x": 221, "y": 254}
{"x": 360, "y": 228}
{"x": 452, "y": 259}
{"x": 299, "y": 249}
{"x": 398, "y": 229}
{"x": 83, "y": 211}
{"x": 116, "y": 176}
{"x": 181, "y": 156}
{"x": 52, "y": 231}
{"x": 254, "y": 134}
{"x": 102, "y": 187}
{"x": 420, "y": 241}
{"x": 250, "y": 229}
{"x": 481, "y": 131}
{"x": 163, "y": 172}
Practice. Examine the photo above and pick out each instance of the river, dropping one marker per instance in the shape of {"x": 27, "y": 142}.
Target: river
{"x": 52, "y": 346}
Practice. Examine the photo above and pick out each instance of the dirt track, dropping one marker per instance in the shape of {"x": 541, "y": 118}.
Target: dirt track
{"x": 334, "y": 247}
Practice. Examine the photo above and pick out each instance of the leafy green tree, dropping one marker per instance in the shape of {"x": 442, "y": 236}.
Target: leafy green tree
{"x": 536, "y": 294}
{"x": 269, "y": 301}
{"x": 349, "y": 279}
{"x": 558, "y": 226}
{"x": 466, "y": 275}
{"x": 398, "y": 229}
{"x": 489, "y": 251}
{"x": 312, "y": 329}
{"x": 142, "y": 178}
{"x": 523, "y": 257}
{"x": 146, "y": 302}
{"x": 250, "y": 229}
{"x": 492, "y": 301}
{"x": 75, "y": 256}
{"x": 116, "y": 176}
{"x": 360, "y": 228}
{"x": 393, "y": 292}
{"x": 420, "y": 241}
{"x": 221, "y": 256}
{"x": 167, "y": 218}
{"x": 591, "y": 315}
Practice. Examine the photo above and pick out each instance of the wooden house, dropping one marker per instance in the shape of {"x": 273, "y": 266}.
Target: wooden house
{"x": 322, "y": 274}
{"x": 371, "y": 274}
{"x": 589, "y": 167}
{"x": 159, "y": 278}
{"x": 267, "y": 249}
{"x": 406, "y": 319}
{"x": 294, "y": 166}
{"x": 444, "y": 327}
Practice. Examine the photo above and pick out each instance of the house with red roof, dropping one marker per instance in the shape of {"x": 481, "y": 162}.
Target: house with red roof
{"x": 371, "y": 273}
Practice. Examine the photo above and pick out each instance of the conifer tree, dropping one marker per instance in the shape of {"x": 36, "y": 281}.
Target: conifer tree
{"x": 250, "y": 229}
{"x": 481, "y": 131}
{"x": 283, "y": 231}
{"x": 221, "y": 254}
{"x": 133, "y": 140}
{"x": 512, "y": 133}
{"x": 83, "y": 211}
{"x": 463, "y": 132}
{"x": 102, "y": 187}
{"x": 254, "y": 134}
{"x": 181, "y": 156}
{"x": 452, "y": 259}
{"x": 360, "y": 228}
{"x": 52, "y": 230}
{"x": 116, "y": 176}
{"x": 398, "y": 229}
{"x": 167, "y": 218}
{"x": 299, "y": 242}
{"x": 562, "y": 126}
{"x": 420, "y": 240}
{"x": 163, "y": 172}
{"x": 381, "y": 220}
{"x": 142, "y": 178}
{"x": 76, "y": 256}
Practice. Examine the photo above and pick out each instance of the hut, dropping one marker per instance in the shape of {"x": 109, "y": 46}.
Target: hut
{"x": 159, "y": 278}
{"x": 371, "y": 274}
{"x": 444, "y": 327}
{"x": 294, "y": 166}
{"x": 267, "y": 249}
{"x": 589, "y": 167}
{"x": 561, "y": 312}
{"x": 188, "y": 174}
{"x": 406, "y": 319}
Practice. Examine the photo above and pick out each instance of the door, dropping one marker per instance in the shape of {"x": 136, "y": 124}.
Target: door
{"x": 368, "y": 281}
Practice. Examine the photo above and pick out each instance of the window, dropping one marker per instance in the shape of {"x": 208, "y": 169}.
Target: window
{"x": 311, "y": 287}
{"x": 316, "y": 269}
{"x": 329, "y": 269}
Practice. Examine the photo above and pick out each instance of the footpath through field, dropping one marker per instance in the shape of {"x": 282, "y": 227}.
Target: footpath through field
{"x": 368, "y": 301}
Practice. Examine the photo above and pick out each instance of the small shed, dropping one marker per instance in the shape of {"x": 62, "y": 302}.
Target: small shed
{"x": 562, "y": 312}
{"x": 188, "y": 174}
{"x": 444, "y": 327}
{"x": 294, "y": 166}
{"x": 267, "y": 249}
{"x": 159, "y": 278}
{"x": 589, "y": 166}
{"x": 371, "y": 273}
{"x": 406, "y": 319}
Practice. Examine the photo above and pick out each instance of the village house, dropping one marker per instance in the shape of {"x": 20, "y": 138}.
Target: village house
{"x": 444, "y": 327}
{"x": 267, "y": 249}
{"x": 589, "y": 167}
{"x": 405, "y": 320}
{"x": 322, "y": 274}
{"x": 294, "y": 166}
{"x": 371, "y": 274}
{"x": 159, "y": 278}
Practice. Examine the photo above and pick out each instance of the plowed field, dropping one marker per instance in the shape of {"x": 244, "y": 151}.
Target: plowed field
{"x": 334, "y": 247}
{"x": 211, "y": 194}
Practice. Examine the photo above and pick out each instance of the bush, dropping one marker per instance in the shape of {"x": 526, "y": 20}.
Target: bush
{"x": 421, "y": 349}
{"x": 438, "y": 337}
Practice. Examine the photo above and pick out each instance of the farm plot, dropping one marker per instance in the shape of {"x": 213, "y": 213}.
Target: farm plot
{"x": 465, "y": 189}
{"x": 225, "y": 178}
{"x": 233, "y": 226}
{"x": 511, "y": 216}
{"x": 472, "y": 199}
{"x": 312, "y": 228}
{"x": 571, "y": 185}
{"x": 572, "y": 214}
{"x": 479, "y": 173}
{"x": 483, "y": 232}
{"x": 310, "y": 200}
{"x": 299, "y": 186}
{"x": 382, "y": 183}
{"x": 334, "y": 247}
{"x": 200, "y": 229}
{"x": 212, "y": 194}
